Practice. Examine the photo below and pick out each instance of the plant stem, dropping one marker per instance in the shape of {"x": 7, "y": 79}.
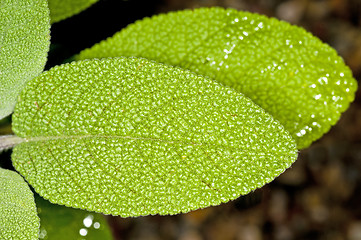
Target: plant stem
{"x": 9, "y": 141}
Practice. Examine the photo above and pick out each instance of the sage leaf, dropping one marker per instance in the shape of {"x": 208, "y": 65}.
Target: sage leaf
{"x": 59, "y": 223}
{"x": 24, "y": 43}
{"x": 18, "y": 218}
{"x": 133, "y": 137}
{"x": 299, "y": 80}
{"x": 62, "y": 9}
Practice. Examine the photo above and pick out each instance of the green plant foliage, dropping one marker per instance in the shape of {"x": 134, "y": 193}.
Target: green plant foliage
{"x": 299, "y": 80}
{"x": 62, "y": 9}
{"x": 24, "y": 43}
{"x": 18, "y": 217}
{"x": 59, "y": 223}
{"x": 134, "y": 137}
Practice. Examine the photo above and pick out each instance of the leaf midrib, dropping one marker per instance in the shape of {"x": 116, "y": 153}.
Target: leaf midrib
{"x": 76, "y": 137}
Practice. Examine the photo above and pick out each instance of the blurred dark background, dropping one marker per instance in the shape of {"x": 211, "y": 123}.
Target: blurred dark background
{"x": 318, "y": 198}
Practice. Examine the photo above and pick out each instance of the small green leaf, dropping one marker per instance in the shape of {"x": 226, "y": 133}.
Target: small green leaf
{"x": 18, "y": 217}
{"x": 133, "y": 137}
{"x": 24, "y": 43}
{"x": 59, "y": 223}
{"x": 62, "y": 9}
{"x": 299, "y": 80}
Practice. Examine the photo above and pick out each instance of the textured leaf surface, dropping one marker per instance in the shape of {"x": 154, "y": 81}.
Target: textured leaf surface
{"x": 62, "y": 9}
{"x": 131, "y": 137}
{"x": 59, "y": 223}
{"x": 18, "y": 217}
{"x": 24, "y": 43}
{"x": 302, "y": 82}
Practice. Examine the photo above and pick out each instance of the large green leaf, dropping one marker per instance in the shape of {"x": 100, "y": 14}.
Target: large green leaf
{"x": 24, "y": 43}
{"x": 62, "y": 9}
{"x": 299, "y": 80}
{"x": 18, "y": 217}
{"x": 59, "y": 223}
{"x": 133, "y": 137}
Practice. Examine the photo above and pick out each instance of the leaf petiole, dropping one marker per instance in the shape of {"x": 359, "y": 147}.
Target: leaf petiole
{"x": 9, "y": 141}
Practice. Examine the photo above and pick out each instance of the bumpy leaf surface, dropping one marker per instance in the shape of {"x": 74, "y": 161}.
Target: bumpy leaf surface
{"x": 132, "y": 137}
{"x": 59, "y": 223}
{"x": 301, "y": 81}
{"x": 18, "y": 216}
{"x": 62, "y": 9}
{"x": 24, "y": 43}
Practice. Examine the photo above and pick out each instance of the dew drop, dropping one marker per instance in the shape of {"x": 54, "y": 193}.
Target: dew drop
{"x": 88, "y": 221}
{"x": 96, "y": 225}
{"x": 83, "y": 232}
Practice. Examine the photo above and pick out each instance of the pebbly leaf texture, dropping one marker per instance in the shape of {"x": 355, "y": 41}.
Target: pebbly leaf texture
{"x": 62, "y": 9}
{"x": 299, "y": 80}
{"x": 24, "y": 43}
{"x": 133, "y": 137}
{"x": 18, "y": 216}
{"x": 60, "y": 222}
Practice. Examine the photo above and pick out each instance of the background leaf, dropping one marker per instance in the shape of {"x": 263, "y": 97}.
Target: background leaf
{"x": 59, "y": 222}
{"x": 299, "y": 80}
{"x": 24, "y": 43}
{"x": 132, "y": 137}
{"x": 18, "y": 218}
{"x": 62, "y": 9}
